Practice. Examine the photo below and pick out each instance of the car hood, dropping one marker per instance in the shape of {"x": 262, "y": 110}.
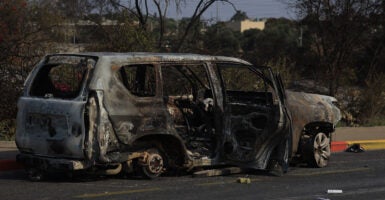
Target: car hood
{"x": 313, "y": 107}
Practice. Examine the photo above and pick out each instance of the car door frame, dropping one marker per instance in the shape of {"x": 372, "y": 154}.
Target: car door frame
{"x": 260, "y": 156}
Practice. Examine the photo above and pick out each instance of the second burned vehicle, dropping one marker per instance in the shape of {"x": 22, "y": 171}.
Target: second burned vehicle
{"x": 147, "y": 112}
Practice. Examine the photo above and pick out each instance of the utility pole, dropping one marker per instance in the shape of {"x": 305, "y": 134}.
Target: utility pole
{"x": 300, "y": 36}
{"x": 217, "y": 12}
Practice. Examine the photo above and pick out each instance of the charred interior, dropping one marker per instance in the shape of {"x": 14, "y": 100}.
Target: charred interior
{"x": 190, "y": 103}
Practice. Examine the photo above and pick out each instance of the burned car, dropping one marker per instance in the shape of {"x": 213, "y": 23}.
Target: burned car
{"x": 153, "y": 113}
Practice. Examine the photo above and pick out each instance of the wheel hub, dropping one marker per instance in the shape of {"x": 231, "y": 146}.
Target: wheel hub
{"x": 155, "y": 163}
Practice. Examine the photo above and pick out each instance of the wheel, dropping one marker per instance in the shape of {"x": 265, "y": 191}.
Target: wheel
{"x": 154, "y": 165}
{"x": 317, "y": 150}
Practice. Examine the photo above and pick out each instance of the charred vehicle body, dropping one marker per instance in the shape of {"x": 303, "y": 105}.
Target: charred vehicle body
{"x": 120, "y": 113}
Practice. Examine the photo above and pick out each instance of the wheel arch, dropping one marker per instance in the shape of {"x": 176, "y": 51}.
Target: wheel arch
{"x": 311, "y": 129}
{"x": 316, "y": 127}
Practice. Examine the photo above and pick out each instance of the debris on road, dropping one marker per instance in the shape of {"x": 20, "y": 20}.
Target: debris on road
{"x": 321, "y": 198}
{"x": 244, "y": 180}
{"x": 334, "y": 191}
{"x": 355, "y": 148}
{"x": 218, "y": 172}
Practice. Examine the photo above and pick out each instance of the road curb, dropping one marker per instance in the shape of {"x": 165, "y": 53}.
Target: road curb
{"x": 6, "y": 165}
{"x": 7, "y": 144}
{"x": 339, "y": 146}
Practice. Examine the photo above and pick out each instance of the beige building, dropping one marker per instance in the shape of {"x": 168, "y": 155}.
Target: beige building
{"x": 246, "y": 25}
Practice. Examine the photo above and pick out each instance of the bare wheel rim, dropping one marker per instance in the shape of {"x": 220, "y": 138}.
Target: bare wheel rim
{"x": 155, "y": 164}
{"x": 321, "y": 149}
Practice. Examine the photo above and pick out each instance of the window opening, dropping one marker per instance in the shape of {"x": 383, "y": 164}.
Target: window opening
{"x": 139, "y": 79}
{"x": 61, "y": 77}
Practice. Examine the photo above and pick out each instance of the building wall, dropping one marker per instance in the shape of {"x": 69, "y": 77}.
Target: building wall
{"x": 246, "y": 25}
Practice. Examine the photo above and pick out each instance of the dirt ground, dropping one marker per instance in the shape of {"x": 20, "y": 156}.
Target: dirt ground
{"x": 359, "y": 133}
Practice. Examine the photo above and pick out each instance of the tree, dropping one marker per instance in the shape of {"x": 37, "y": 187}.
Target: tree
{"x": 371, "y": 73}
{"x": 24, "y": 30}
{"x": 220, "y": 40}
{"x": 12, "y": 15}
{"x": 239, "y": 16}
{"x": 124, "y": 36}
{"x": 275, "y": 46}
{"x": 140, "y": 10}
{"x": 74, "y": 10}
{"x": 200, "y": 8}
{"x": 336, "y": 29}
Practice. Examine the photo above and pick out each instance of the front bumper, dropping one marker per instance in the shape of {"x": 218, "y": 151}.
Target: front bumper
{"x": 48, "y": 163}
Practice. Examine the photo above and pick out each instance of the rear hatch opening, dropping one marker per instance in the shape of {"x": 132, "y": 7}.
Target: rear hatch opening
{"x": 51, "y": 111}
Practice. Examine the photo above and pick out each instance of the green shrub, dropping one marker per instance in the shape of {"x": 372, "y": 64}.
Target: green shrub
{"x": 7, "y": 129}
{"x": 375, "y": 121}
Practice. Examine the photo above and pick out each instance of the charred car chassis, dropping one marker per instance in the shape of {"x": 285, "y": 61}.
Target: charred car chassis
{"x": 147, "y": 112}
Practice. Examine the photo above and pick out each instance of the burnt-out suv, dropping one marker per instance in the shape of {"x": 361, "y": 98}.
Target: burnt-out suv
{"x": 148, "y": 112}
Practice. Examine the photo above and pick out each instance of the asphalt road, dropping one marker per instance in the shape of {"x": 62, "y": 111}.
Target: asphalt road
{"x": 358, "y": 175}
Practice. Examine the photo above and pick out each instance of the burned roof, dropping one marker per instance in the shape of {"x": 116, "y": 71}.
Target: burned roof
{"x": 157, "y": 57}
